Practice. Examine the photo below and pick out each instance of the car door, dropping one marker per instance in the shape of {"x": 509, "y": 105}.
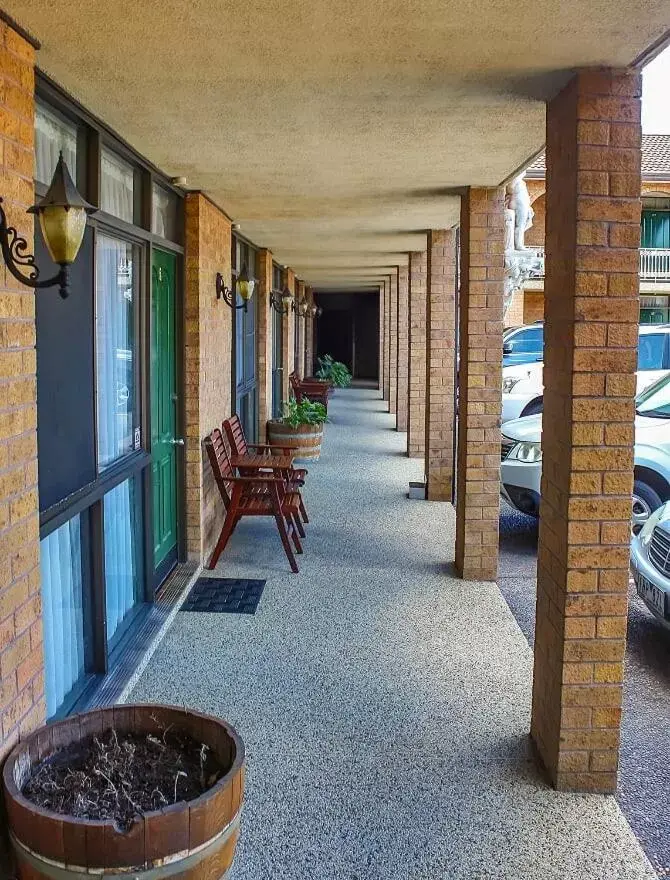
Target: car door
{"x": 524, "y": 347}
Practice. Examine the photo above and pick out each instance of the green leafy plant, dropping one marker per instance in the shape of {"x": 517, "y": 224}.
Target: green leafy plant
{"x": 334, "y": 371}
{"x": 304, "y": 412}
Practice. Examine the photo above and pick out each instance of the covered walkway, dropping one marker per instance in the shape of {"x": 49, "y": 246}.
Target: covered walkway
{"x": 384, "y": 703}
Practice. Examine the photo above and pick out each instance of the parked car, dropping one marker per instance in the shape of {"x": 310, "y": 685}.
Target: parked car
{"x": 523, "y": 345}
{"x": 523, "y": 388}
{"x": 521, "y": 456}
{"x": 650, "y": 563}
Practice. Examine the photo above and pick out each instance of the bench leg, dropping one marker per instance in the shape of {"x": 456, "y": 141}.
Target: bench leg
{"x": 228, "y": 528}
{"x": 299, "y": 525}
{"x": 294, "y": 534}
{"x": 287, "y": 544}
{"x": 303, "y": 511}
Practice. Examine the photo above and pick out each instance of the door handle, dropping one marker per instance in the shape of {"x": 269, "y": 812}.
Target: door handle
{"x": 177, "y": 441}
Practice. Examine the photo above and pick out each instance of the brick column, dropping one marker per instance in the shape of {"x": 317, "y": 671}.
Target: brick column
{"x": 264, "y": 337}
{"x": 22, "y": 706}
{"x": 288, "y": 329}
{"x": 393, "y": 343}
{"x": 480, "y": 383}
{"x": 207, "y": 365}
{"x": 440, "y": 363}
{"x": 591, "y": 335}
{"x": 416, "y": 344}
{"x": 387, "y": 339}
{"x": 382, "y": 315}
{"x": 309, "y": 334}
{"x": 403, "y": 340}
{"x": 300, "y": 328}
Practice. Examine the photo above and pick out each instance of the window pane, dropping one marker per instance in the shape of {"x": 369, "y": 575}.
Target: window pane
{"x": 650, "y": 351}
{"x": 53, "y": 135}
{"x": 123, "y": 568}
{"x": 116, "y": 265}
{"x": 529, "y": 340}
{"x": 164, "y": 213}
{"x": 62, "y": 612}
{"x": 117, "y": 185}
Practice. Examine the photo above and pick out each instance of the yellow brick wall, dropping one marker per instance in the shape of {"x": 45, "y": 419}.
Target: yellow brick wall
{"x": 207, "y": 364}
{"x": 288, "y": 331}
{"x": 264, "y": 339}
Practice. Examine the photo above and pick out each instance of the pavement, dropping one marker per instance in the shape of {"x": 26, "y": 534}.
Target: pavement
{"x": 644, "y": 767}
{"x": 384, "y": 703}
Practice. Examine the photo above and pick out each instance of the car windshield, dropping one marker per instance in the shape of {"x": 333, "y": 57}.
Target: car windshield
{"x": 654, "y": 401}
{"x": 650, "y": 351}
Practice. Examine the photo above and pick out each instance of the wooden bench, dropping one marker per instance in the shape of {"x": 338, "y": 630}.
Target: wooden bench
{"x": 261, "y": 494}
{"x": 311, "y": 389}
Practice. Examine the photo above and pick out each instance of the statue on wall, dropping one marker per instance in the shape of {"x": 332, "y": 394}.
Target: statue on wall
{"x": 520, "y": 262}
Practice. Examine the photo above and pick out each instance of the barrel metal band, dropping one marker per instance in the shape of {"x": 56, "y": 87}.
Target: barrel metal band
{"x": 60, "y": 871}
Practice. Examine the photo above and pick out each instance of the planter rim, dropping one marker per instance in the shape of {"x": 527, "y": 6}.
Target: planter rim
{"x": 295, "y": 427}
{"x": 19, "y": 749}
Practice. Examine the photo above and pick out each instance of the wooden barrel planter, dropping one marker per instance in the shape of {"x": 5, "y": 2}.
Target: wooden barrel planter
{"x": 305, "y": 439}
{"x": 186, "y": 840}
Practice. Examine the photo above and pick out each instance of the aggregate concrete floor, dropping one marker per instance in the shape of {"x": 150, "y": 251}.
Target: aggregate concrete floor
{"x": 384, "y": 704}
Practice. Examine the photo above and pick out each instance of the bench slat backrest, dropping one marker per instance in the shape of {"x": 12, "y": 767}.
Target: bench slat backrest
{"x": 235, "y": 433}
{"x": 220, "y": 462}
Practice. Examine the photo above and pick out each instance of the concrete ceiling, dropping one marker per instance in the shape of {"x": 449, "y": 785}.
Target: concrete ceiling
{"x": 333, "y": 131}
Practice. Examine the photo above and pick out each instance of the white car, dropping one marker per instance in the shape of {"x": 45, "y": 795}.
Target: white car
{"x": 521, "y": 456}
{"x": 650, "y": 563}
{"x": 523, "y": 388}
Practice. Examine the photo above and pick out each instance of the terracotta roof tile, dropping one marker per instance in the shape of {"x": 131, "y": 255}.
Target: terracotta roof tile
{"x": 655, "y": 157}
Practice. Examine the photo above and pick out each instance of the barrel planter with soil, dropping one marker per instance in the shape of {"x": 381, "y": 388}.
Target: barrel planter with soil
{"x": 305, "y": 439}
{"x": 189, "y": 838}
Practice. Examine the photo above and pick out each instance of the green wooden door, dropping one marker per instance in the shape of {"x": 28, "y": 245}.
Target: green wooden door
{"x": 164, "y": 441}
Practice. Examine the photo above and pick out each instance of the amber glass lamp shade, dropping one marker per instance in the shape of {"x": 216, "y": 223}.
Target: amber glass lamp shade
{"x": 245, "y": 285}
{"x": 62, "y": 214}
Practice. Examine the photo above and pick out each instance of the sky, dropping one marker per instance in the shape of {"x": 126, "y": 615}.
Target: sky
{"x": 656, "y": 95}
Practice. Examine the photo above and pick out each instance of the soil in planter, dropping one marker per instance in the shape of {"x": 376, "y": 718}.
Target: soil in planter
{"x": 119, "y": 776}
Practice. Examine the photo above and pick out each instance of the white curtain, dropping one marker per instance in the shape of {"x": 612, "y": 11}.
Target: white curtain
{"x": 116, "y": 189}
{"x": 121, "y": 570}
{"x": 53, "y": 136}
{"x": 114, "y": 305}
{"x": 62, "y": 612}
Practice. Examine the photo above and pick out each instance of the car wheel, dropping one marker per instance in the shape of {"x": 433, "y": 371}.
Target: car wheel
{"x": 645, "y": 501}
{"x": 533, "y": 408}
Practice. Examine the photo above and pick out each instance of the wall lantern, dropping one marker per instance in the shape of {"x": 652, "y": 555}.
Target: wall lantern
{"x": 62, "y": 215}
{"x": 243, "y": 286}
{"x": 313, "y": 310}
{"x": 281, "y": 302}
{"x": 301, "y": 308}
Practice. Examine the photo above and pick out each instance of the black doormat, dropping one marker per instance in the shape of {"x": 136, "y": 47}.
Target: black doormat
{"x": 224, "y": 595}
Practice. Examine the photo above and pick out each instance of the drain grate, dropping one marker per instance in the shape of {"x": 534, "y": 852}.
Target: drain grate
{"x": 224, "y": 595}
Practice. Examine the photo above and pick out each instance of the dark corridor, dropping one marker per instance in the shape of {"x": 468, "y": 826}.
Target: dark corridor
{"x": 348, "y": 330}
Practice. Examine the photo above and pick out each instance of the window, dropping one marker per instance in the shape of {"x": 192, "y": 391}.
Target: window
{"x": 66, "y": 646}
{"x": 528, "y": 340}
{"x": 115, "y": 307}
{"x": 164, "y": 213}
{"x": 123, "y": 561}
{"x": 117, "y": 186}
{"x": 53, "y": 135}
{"x": 650, "y": 352}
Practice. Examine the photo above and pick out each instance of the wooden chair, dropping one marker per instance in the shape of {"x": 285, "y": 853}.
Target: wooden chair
{"x": 262, "y": 494}
{"x": 313, "y": 389}
{"x": 295, "y": 477}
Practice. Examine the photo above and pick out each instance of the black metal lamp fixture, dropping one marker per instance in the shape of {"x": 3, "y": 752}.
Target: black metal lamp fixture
{"x": 243, "y": 286}
{"x": 62, "y": 214}
{"x": 282, "y": 302}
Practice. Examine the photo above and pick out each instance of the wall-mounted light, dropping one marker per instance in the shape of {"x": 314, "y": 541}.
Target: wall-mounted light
{"x": 62, "y": 215}
{"x": 313, "y": 310}
{"x": 282, "y": 301}
{"x": 243, "y": 286}
{"x": 300, "y": 307}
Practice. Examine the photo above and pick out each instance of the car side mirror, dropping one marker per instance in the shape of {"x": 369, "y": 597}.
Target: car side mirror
{"x": 508, "y": 347}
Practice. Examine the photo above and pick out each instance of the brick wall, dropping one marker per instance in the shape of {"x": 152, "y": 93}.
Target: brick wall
{"x": 22, "y": 706}
{"x": 480, "y": 383}
{"x": 387, "y": 340}
{"x": 300, "y": 328}
{"x": 416, "y": 343}
{"x": 207, "y": 364}
{"x": 591, "y": 332}
{"x": 393, "y": 343}
{"x": 264, "y": 338}
{"x": 288, "y": 331}
{"x": 533, "y": 306}
{"x": 382, "y": 338}
{"x": 403, "y": 339}
{"x": 514, "y": 313}
{"x": 440, "y": 363}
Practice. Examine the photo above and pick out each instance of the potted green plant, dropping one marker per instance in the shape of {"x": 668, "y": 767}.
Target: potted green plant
{"x": 333, "y": 371}
{"x": 300, "y": 427}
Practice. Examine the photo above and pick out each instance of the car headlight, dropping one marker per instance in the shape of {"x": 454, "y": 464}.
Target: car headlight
{"x": 530, "y": 452}
{"x": 509, "y": 382}
{"x": 647, "y": 529}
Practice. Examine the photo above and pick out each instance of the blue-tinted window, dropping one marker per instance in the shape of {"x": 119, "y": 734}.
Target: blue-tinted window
{"x": 650, "y": 353}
